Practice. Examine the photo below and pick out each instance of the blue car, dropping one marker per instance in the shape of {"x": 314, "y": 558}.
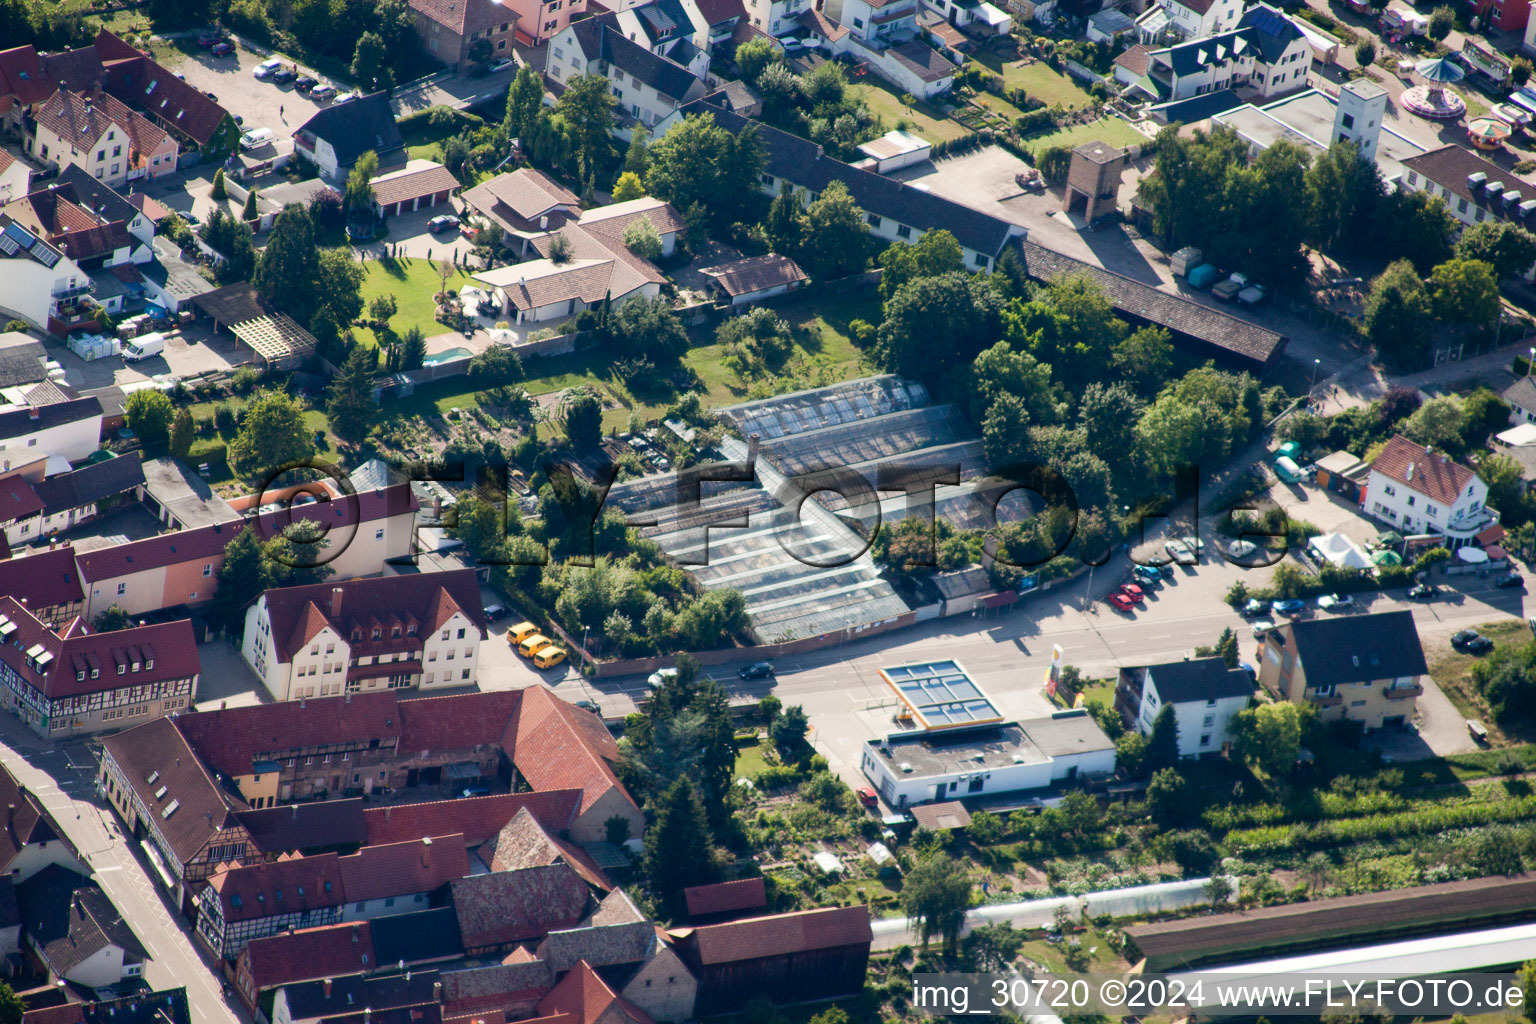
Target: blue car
{"x": 1289, "y": 606}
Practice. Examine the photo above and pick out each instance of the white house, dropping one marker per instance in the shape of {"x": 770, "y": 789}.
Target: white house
{"x": 389, "y": 632}
{"x": 38, "y": 283}
{"x": 1205, "y": 696}
{"x": 1521, "y": 396}
{"x": 1265, "y": 53}
{"x": 71, "y": 430}
{"x": 31, "y": 839}
{"x": 1417, "y": 490}
{"x": 14, "y": 177}
{"x": 611, "y": 221}
{"x": 777, "y": 17}
{"x": 646, "y": 86}
{"x": 917, "y": 767}
{"x": 335, "y": 136}
{"x": 76, "y": 932}
{"x": 598, "y": 269}
{"x": 876, "y": 22}
{"x": 1195, "y": 19}
{"x": 1474, "y": 189}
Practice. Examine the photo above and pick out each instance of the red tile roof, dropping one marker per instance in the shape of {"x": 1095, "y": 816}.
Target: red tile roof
{"x": 88, "y": 662}
{"x": 208, "y": 542}
{"x": 513, "y": 906}
{"x": 718, "y": 12}
{"x": 145, "y": 85}
{"x": 413, "y": 183}
{"x": 21, "y": 76}
{"x": 424, "y": 601}
{"x": 81, "y": 119}
{"x": 149, "y": 206}
{"x": 403, "y": 869}
{"x": 463, "y": 720}
{"x": 479, "y": 818}
{"x": 586, "y": 998}
{"x": 231, "y": 740}
{"x": 753, "y": 938}
{"x": 18, "y": 500}
{"x": 465, "y": 17}
{"x": 309, "y": 954}
{"x": 524, "y": 843}
{"x": 1423, "y": 470}
{"x": 254, "y": 891}
{"x": 558, "y": 746}
{"x": 44, "y": 580}
{"x": 725, "y": 897}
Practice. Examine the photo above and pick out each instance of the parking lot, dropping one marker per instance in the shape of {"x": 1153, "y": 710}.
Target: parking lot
{"x": 189, "y": 352}
{"x": 260, "y": 104}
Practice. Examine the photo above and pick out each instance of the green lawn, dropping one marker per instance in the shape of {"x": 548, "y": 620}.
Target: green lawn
{"x": 1110, "y": 130}
{"x": 750, "y": 760}
{"x": 413, "y": 282}
{"x": 1045, "y": 84}
{"x": 926, "y": 121}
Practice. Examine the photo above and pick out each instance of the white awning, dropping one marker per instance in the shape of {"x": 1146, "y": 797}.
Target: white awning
{"x": 1472, "y": 556}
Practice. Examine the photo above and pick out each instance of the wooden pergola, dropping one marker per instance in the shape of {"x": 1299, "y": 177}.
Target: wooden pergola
{"x": 276, "y": 338}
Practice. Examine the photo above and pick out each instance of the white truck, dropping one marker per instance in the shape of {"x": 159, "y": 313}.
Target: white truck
{"x": 143, "y": 347}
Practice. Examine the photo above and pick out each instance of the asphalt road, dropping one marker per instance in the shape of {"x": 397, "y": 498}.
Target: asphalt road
{"x": 63, "y": 777}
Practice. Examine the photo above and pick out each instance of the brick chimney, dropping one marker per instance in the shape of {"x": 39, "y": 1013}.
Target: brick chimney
{"x": 33, "y": 412}
{"x": 336, "y": 602}
{"x": 327, "y": 987}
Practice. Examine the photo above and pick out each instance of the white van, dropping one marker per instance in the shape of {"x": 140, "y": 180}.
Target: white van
{"x": 256, "y": 138}
{"x": 143, "y": 347}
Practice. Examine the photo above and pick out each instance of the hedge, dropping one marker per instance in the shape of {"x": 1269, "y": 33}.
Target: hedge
{"x": 1429, "y": 820}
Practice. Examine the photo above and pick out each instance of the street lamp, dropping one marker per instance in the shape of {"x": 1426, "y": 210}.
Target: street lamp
{"x": 1315, "y": 364}
{"x": 1529, "y": 361}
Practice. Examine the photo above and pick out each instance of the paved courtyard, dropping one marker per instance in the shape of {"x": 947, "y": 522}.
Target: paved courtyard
{"x": 279, "y": 108}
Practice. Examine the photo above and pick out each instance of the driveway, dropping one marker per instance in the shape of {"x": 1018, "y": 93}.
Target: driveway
{"x": 261, "y": 104}
{"x": 408, "y": 233}
{"x": 226, "y": 680}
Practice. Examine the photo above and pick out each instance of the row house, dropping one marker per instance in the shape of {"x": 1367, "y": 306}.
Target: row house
{"x": 80, "y": 495}
{"x": 399, "y": 878}
{"x": 894, "y": 210}
{"x": 391, "y": 632}
{"x": 1368, "y": 669}
{"x": 1417, "y": 490}
{"x": 1473, "y": 189}
{"x": 876, "y": 23}
{"x": 363, "y": 532}
{"x": 1266, "y": 53}
{"x": 666, "y": 29}
{"x": 47, "y": 583}
{"x": 451, "y": 29}
{"x": 777, "y": 17}
{"x": 76, "y": 933}
{"x": 86, "y": 218}
{"x": 241, "y": 903}
{"x": 647, "y": 87}
{"x": 73, "y": 681}
{"x": 171, "y": 805}
{"x": 101, "y": 135}
{"x": 539, "y": 21}
{"x": 69, "y": 430}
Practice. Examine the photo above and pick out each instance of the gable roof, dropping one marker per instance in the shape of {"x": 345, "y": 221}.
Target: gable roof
{"x": 613, "y": 219}
{"x": 514, "y": 906}
{"x": 156, "y": 756}
{"x": 81, "y": 119}
{"x": 21, "y": 76}
{"x": 928, "y": 64}
{"x": 558, "y": 746}
{"x": 798, "y": 160}
{"x": 725, "y": 897}
{"x": 91, "y": 483}
{"x": 69, "y": 225}
{"x": 524, "y": 843}
{"x": 168, "y": 1006}
{"x": 208, "y": 542}
{"x": 69, "y": 919}
{"x": 232, "y": 740}
{"x": 76, "y": 183}
{"x": 584, "y": 998}
{"x": 419, "y": 937}
{"x": 424, "y": 600}
{"x": 1270, "y": 30}
{"x": 27, "y": 821}
{"x": 310, "y": 953}
{"x": 18, "y": 499}
{"x": 601, "y": 267}
{"x": 250, "y": 892}
{"x": 523, "y": 195}
{"x": 465, "y": 17}
{"x": 1521, "y": 393}
{"x": 629, "y": 942}
{"x": 460, "y": 720}
{"x": 403, "y": 869}
{"x": 754, "y": 274}
{"x": 1451, "y": 165}
{"x": 21, "y": 422}
{"x": 419, "y": 178}
{"x": 1134, "y": 59}
{"x": 356, "y": 127}
{"x": 478, "y": 818}
{"x": 1423, "y": 470}
{"x": 1200, "y": 679}
{"x": 718, "y": 12}
{"x": 601, "y": 38}
{"x": 1382, "y": 645}
{"x": 754, "y": 938}
{"x": 349, "y": 997}
{"x": 88, "y": 662}
{"x": 299, "y": 828}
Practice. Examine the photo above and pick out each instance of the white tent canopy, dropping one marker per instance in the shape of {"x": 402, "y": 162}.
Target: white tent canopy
{"x": 1339, "y": 550}
{"x": 1524, "y": 434}
{"x": 1472, "y": 556}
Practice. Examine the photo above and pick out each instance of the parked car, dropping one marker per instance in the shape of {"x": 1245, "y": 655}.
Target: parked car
{"x": 1512, "y": 580}
{"x": 502, "y": 65}
{"x": 1260, "y": 628}
{"x": 588, "y": 705}
{"x": 1121, "y": 602}
{"x": 267, "y": 68}
{"x": 322, "y": 92}
{"x": 1148, "y": 574}
{"x": 1255, "y": 607}
{"x": 208, "y": 40}
{"x": 494, "y": 612}
{"x": 1480, "y": 646}
{"x": 867, "y": 797}
{"x": 442, "y": 222}
{"x": 345, "y": 97}
{"x": 1194, "y": 543}
{"x": 1290, "y": 606}
{"x": 1335, "y": 601}
{"x": 222, "y": 49}
{"x": 1179, "y": 552}
{"x": 282, "y": 76}
{"x": 1423, "y": 592}
{"x": 1462, "y": 638}
{"x": 1241, "y": 549}
{"x": 661, "y": 675}
{"x": 756, "y": 670}
{"x": 1133, "y": 592}
{"x": 256, "y": 138}
{"x": 304, "y": 83}
{"x": 469, "y": 231}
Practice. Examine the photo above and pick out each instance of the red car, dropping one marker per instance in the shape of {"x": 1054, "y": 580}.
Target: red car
{"x": 1133, "y": 592}
{"x": 222, "y": 49}
{"x": 208, "y": 40}
{"x": 867, "y": 797}
{"x": 469, "y": 231}
{"x": 1121, "y": 602}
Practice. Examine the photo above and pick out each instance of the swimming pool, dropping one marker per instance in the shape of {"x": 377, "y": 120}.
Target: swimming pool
{"x": 447, "y": 355}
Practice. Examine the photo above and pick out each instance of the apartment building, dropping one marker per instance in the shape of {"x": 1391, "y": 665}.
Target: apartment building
{"x": 449, "y": 29}
{"x": 539, "y": 21}
{"x": 1474, "y": 189}
{"x": 392, "y": 632}
{"x": 1204, "y": 693}
{"x": 101, "y": 135}
{"x": 76, "y": 681}
{"x": 646, "y": 86}
{"x": 1417, "y": 490}
{"x": 1365, "y": 668}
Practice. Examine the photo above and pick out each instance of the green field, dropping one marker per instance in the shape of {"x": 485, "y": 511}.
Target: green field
{"x": 1110, "y": 130}
{"x": 926, "y": 122}
{"x": 1045, "y": 84}
{"x": 413, "y": 282}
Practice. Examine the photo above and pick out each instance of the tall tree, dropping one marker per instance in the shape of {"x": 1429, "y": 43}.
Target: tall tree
{"x": 349, "y": 405}
{"x": 788, "y": 733}
{"x": 358, "y": 197}
{"x": 629, "y": 186}
{"x": 339, "y": 285}
{"x": 525, "y": 97}
{"x": 935, "y": 895}
{"x": 413, "y": 349}
{"x": 785, "y": 226}
{"x": 149, "y": 414}
{"x": 700, "y": 162}
{"x": 587, "y": 105}
{"x": 933, "y": 323}
{"x": 1398, "y": 314}
{"x": 1508, "y": 247}
{"x": 1268, "y": 737}
{"x": 1415, "y": 226}
{"x": 582, "y": 417}
{"x": 840, "y": 233}
{"x": 677, "y": 846}
{"x": 637, "y": 157}
{"x": 1345, "y": 193}
{"x": 935, "y": 253}
{"x": 1163, "y": 743}
{"x": 182, "y": 431}
{"x": 11, "y": 1006}
{"x": 272, "y": 435}
{"x": 370, "y": 63}
{"x": 241, "y": 578}
{"x": 289, "y": 269}
{"x": 1465, "y": 293}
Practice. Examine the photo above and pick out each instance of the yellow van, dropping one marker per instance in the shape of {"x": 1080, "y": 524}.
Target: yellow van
{"x": 520, "y": 632}
{"x": 533, "y": 645}
{"x": 549, "y": 657}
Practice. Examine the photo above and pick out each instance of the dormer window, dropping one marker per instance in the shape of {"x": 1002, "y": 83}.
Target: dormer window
{"x": 357, "y": 635}
{"x": 395, "y": 633}
{"x": 135, "y": 666}
{"x": 95, "y": 673}
{"x": 80, "y": 676}
{"x": 377, "y": 632}
{"x": 122, "y": 669}
{"x": 411, "y": 629}
{"x": 149, "y": 664}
